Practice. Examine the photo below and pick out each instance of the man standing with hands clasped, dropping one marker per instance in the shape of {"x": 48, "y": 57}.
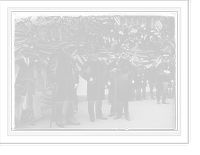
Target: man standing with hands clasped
{"x": 120, "y": 90}
{"x": 164, "y": 70}
{"x": 61, "y": 74}
{"x": 93, "y": 71}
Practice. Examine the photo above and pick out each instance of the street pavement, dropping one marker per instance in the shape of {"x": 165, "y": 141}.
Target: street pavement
{"x": 145, "y": 114}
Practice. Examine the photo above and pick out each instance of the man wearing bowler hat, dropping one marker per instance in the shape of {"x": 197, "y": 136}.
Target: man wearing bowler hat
{"x": 120, "y": 89}
{"x": 61, "y": 72}
{"x": 164, "y": 70}
{"x": 25, "y": 73}
{"x": 40, "y": 84}
{"x": 93, "y": 71}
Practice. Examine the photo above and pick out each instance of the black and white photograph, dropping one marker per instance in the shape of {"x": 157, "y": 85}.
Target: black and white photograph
{"x": 95, "y": 72}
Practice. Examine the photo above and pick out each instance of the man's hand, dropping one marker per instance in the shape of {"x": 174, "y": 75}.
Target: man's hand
{"x": 91, "y": 80}
{"x": 76, "y": 86}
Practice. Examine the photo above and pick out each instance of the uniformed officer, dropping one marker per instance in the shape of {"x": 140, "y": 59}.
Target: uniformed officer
{"x": 120, "y": 89}
{"x": 163, "y": 77}
{"x": 40, "y": 84}
{"x": 153, "y": 78}
{"x": 172, "y": 79}
{"x": 144, "y": 78}
{"x": 93, "y": 72}
{"x": 136, "y": 78}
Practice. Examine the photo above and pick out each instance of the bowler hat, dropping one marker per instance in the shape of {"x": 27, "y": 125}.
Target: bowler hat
{"x": 25, "y": 46}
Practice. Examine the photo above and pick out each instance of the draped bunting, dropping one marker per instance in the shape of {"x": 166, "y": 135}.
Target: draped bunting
{"x": 80, "y": 55}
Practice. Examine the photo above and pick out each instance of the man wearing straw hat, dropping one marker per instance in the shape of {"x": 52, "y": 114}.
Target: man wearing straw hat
{"x": 164, "y": 70}
{"x": 93, "y": 71}
{"x": 25, "y": 73}
{"x": 120, "y": 89}
{"x": 61, "y": 72}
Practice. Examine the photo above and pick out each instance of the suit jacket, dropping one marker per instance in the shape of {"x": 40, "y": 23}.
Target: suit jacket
{"x": 96, "y": 70}
{"x": 41, "y": 77}
{"x": 60, "y": 71}
{"x": 162, "y": 77}
{"x": 144, "y": 77}
{"x": 152, "y": 75}
{"x": 24, "y": 77}
{"x": 137, "y": 77}
{"x": 123, "y": 90}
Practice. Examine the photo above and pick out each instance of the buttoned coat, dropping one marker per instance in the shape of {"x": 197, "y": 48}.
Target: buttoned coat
{"x": 41, "y": 77}
{"x": 162, "y": 77}
{"x": 60, "y": 71}
{"x": 24, "y": 77}
{"x": 137, "y": 77}
{"x": 144, "y": 77}
{"x": 152, "y": 75}
{"x": 123, "y": 85}
{"x": 96, "y": 70}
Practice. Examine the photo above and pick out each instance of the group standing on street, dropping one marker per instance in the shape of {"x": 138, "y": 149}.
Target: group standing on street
{"x": 126, "y": 81}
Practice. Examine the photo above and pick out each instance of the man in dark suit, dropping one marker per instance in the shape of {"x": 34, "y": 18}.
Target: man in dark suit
{"x": 144, "y": 78}
{"x": 25, "y": 73}
{"x": 152, "y": 80}
{"x": 93, "y": 71}
{"x": 164, "y": 70}
{"x": 120, "y": 89}
{"x": 40, "y": 83}
{"x": 136, "y": 78}
{"x": 61, "y": 72}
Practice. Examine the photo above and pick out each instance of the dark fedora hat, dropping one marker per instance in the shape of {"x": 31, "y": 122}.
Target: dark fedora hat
{"x": 117, "y": 48}
{"x": 95, "y": 48}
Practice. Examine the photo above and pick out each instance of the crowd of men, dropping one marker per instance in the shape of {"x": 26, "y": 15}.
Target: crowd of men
{"x": 125, "y": 80}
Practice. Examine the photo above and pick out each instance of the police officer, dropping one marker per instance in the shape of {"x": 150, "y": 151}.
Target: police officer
{"x": 136, "y": 79}
{"x": 163, "y": 77}
{"x": 152, "y": 80}
{"x": 122, "y": 88}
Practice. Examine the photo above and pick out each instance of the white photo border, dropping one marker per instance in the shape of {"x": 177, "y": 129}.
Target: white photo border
{"x": 179, "y": 136}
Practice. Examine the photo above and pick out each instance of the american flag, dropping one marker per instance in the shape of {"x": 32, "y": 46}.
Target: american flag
{"x": 117, "y": 20}
{"x": 158, "y": 25}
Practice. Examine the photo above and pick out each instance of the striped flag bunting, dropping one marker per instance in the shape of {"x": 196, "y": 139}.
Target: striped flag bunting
{"x": 80, "y": 55}
{"x": 117, "y": 20}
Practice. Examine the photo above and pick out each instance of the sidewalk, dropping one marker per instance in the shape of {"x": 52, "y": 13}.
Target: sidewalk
{"x": 146, "y": 114}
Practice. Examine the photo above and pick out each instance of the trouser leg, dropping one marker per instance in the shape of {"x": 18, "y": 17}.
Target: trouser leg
{"x": 91, "y": 112}
{"x": 120, "y": 109}
{"x": 134, "y": 93}
{"x": 29, "y": 105}
{"x": 59, "y": 111}
{"x": 68, "y": 111}
{"x": 126, "y": 109}
{"x": 36, "y": 105}
{"x": 19, "y": 100}
{"x": 98, "y": 109}
{"x": 144, "y": 92}
{"x": 113, "y": 108}
{"x": 164, "y": 92}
